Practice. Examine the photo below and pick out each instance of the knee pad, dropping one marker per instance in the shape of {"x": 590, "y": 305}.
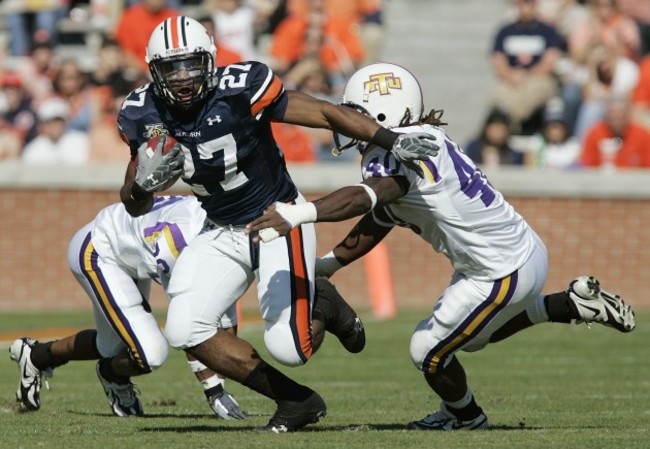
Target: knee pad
{"x": 156, "y": 356}
{"x": 280, "y": 343}
{"x": 422, "y": 343}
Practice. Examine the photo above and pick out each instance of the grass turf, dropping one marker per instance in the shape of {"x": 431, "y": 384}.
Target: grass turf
{"x": 550, "y": 386}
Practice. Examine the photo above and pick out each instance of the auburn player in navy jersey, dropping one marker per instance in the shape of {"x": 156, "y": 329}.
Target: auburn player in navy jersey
{"x": 226, "y": 153}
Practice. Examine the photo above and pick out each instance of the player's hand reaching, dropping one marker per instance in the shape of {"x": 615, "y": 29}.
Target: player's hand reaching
{"x": 412, "y": 147}
{"x": 280, "y": 218}
{"x": 157, "y": 171}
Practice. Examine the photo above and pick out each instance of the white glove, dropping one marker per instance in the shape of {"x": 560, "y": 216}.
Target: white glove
{"x": 225, "y": 406}
{"x": 411, "y": 147}
{"x": 156, "y": 172}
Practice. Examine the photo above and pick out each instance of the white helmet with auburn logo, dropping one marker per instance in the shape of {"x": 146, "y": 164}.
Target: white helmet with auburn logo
{"x": 181, "y": 57}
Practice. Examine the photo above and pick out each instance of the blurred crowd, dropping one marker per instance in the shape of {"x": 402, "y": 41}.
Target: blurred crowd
{"x": 572, "y": 77}
{"x": 61, "y": 107}
{"x": 572, "y": 86}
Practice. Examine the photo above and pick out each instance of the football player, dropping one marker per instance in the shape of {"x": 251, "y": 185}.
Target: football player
{"x": 226, "y": 152}
{"x": 500, "y": 263}
{"x": 114, "y": 258}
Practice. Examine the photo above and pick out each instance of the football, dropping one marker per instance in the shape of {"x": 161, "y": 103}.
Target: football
{"x": 152, "y": 143}
{"x": 168, "y": 144}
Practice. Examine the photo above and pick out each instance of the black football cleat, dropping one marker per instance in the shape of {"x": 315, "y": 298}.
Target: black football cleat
{"x": 342, "y": 321}
{"x": 293, "y": 415}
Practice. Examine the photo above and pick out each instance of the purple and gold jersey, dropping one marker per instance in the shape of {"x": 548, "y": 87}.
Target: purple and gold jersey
{"x": 455, "y": 209}
{"x": 232, "y": 163}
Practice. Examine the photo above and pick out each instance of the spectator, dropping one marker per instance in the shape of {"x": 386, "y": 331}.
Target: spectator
{"x": 523, "y": 57}
{"x": 641, "y": 94}
{"x": 71, "y": 84}
{"x": 55, "y": 144}
{"x": 617, "y": 141}
{"x": 234, "y": 25}
{"x": 43, "y": 15}
{"x": 225, "y": 54}
{"x": 10, "y": 141}
{"x": 639, "y": 11}
{"x": 555, "y": 147}
{"x": 604, "y": 26}
{"x": 135, "y": 26}
{"x": 296, "y": 143}
{"x": 609, "y": 74}
{"x": 492, "y": 147}
{"x": 332, "y": 39}
{"x": 18, "y": 115}
{"x": 38, "y": 70}
{"x": 367, "y": 15}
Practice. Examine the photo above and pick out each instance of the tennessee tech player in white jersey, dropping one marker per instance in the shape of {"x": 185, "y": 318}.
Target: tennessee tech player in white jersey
{"x": 114, "y": 258}
{"x": 500, "y": 264}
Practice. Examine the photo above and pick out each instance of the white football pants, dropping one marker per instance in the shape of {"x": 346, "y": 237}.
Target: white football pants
{"x": 470, "y": 311}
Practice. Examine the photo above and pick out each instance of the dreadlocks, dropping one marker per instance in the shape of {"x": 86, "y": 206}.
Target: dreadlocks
{"x": 432, "y": 118}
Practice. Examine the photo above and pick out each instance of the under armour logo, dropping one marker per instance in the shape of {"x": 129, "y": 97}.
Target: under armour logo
{"x": 213, "y": 120}
{"x": 152, "y": 178}
{"x": 382, "y": 82}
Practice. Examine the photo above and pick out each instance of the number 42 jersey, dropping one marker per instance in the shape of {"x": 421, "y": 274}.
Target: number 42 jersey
{"x": 455, "y": 209}
{"x": 232, "y": 162}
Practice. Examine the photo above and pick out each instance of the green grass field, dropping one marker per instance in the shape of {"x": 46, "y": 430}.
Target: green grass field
{"x": 551, "y": 386}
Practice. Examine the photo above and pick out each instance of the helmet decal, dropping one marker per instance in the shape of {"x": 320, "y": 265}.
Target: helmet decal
{"x": 382, "y": 83}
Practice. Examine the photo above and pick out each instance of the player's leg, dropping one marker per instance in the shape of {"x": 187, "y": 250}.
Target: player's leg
{"x": 128, "y": 337}
{"x": 37, "y": 360}
{"x": 209, "y": 277}
{"x": 464, "y": 318}
{"x": 582, "y": 302}
{"x": 292, "y": 303}
{"x": 222, "y": 403}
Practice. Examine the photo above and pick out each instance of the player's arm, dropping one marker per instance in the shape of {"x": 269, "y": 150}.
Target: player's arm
{"x": 136, "y": 201}
{"x": 342, "y": 204}
{"x": 362, "y": 238}
{"x": 305, "y": 110}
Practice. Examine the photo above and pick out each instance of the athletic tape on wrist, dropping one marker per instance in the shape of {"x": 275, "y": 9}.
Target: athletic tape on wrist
{"x": 371, "y": 193}
{"x": 297, "y": 214}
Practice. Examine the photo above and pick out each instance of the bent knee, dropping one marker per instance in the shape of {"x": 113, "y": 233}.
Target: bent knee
{"x": 422, "y": 346}
{"x": 281, "y": 345}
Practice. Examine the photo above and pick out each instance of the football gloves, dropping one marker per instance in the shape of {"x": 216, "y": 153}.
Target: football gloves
{"x": 413, "y": 147}
{"x": 225, "y": 406}
{"x": 157, "y": 171}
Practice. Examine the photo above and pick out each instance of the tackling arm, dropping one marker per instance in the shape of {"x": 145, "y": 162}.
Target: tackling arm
{"x": 361, "y": 239}
{"x": 342, "y": 204}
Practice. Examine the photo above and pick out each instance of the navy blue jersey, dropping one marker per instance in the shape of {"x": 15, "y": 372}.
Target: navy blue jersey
{"x": 232, "y": 162}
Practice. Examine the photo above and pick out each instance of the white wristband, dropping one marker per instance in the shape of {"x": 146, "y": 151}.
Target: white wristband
{"x": 297, "y": 214}
{"x": 327, "y": 265}
{"x": 371, "y": 193}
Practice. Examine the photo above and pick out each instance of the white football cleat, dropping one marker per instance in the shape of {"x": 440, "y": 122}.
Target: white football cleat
{"x": 444, "y": 420}
{"x": 29, "y": 388}
{"x": 596, "y": 305}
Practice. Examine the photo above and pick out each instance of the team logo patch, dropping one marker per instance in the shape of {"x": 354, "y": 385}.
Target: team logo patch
{"x": 382, "y": 82}
{"x": 154, "y": 130}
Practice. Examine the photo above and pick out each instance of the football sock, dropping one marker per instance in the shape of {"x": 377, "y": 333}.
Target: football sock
{"x": 560, "y": 308}
{"x": 106, "y": 370}
{"x": 42, "y": 357}
{"x": 271, "y": 383}
{"x": 467, "y": 412}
